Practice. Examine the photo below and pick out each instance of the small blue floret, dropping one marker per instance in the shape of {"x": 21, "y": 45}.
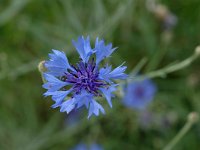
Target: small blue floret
{"x": 139, "y": 94}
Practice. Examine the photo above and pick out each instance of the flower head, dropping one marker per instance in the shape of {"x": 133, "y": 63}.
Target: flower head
{"x": 83, "y": 146}
{"x": 138, "y": 94}
{"x": 83, "y": 82}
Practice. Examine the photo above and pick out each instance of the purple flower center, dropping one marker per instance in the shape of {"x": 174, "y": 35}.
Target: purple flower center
{"x": 139, "y": 92}
{"x": 85, "y": 77}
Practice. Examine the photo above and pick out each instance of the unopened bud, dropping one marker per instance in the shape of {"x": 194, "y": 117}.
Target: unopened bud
{"x": 197, "y": 50}
{"x": 41, "y": 67}
{"x": 161, "y": 11}
{"x": 193, "y": 117}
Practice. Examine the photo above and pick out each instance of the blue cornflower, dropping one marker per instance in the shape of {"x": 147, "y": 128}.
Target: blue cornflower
{"x": 83, "y": 146}
{"x": 138, "y": 94}
{"x": 85, "y": 81}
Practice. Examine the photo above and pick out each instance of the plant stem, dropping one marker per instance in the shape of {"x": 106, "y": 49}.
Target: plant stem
{"x": 179, "y": 136}
{"x": 193, "y": 117}
{"x": 166, "y": 70}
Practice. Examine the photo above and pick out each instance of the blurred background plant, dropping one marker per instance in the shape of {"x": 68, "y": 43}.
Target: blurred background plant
{"x": 159, "y": 32}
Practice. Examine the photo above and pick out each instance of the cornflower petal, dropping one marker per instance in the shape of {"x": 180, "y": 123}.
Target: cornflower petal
{"x": 104, "y": 73}
{"x": 95, "y": 108}
{"x": 117, "y": 73}
{"x": 83, "y": 47}
{"x": 68, "y": 106}
{"x": 58, "y": 97}
{"x": 102, "y": 50}
{"x": 53, "y": 84}
{"x": 58, "y": 63}
{"x": 83, "y": 99}
{"x": 108, "y": 93}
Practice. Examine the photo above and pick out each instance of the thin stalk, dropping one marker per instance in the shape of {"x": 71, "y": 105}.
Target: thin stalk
{"x": 166, "y": 70}
{"x": 138, "y": 67}
{"x": 192, "y": 119}
{"x": 179, "y": 136}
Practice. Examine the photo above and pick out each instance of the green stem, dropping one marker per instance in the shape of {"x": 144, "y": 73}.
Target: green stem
{"x": 138, "y": 67}
{"x": 179, "y": 136}
{"x": 157, "y": 57}
{"x": 166, "y": 70}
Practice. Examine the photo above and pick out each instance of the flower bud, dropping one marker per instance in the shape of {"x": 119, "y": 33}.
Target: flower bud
{"x": 197, "y": 50}
{"x": 161, "y": 11}
{"x": 41, "y": 67}
{"x": 193, "y": 117}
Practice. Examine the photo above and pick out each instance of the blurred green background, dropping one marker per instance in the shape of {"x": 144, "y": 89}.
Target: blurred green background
{"x": 29, "y": 29}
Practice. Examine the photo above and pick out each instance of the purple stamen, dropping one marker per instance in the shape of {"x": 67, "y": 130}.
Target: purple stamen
{"x": 85, "y": 77}
{"x": 139, "y": 92}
